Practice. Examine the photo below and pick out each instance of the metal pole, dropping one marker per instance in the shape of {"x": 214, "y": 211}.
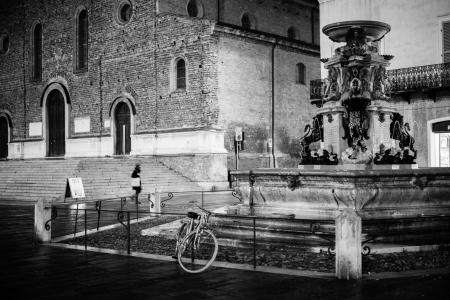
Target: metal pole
{"x": 237, "y": 155}
{"x": 254, "y": 243}
{"x": 128, "y": 233}
{"x": 202, "y": 200}
{"x": 137, "y": 205}
{"x": 85, "y": 230}
{"x": 273, "y": 104}
{"x": 99, "y": 207}
{"x": 76, "y": 221}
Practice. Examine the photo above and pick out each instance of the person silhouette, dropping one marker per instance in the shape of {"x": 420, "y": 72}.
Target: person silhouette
{"x": 137, "y": 187}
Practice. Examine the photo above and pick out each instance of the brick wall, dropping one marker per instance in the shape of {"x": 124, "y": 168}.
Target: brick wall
{"x": 136, "y": 59}
{"x": 272, "y": 16}
{"x": 121, "y": 54}
{"x": 245, "y": 96}
{"x": 189, "y": 39}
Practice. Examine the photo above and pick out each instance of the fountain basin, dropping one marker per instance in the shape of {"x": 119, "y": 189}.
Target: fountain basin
{"x": 321, "y": 194}
{"x": 373, "y": 30}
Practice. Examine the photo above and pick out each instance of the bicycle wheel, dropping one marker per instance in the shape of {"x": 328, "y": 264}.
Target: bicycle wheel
{"x": 198, "y": 251}
{"x": 181, "y": 234}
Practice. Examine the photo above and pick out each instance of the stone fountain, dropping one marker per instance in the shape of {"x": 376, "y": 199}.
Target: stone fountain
{"x": 357, "y": 157}
{"x": 356, "y": 126}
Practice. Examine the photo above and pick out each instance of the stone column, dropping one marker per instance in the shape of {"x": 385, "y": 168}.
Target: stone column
{"x": 380, "y": 122}
{"x": 333, "y": 131}
{"x": 348, "y": 245}
{"x": 42, "y": 213}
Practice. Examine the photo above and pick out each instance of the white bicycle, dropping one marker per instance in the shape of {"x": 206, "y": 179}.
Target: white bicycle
{"x": 197, "y": 246}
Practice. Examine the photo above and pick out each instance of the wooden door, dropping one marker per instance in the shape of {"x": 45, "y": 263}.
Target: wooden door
{"x": 3, "y": 137}
{"x": 123, "y": 129}
{"x": 56, "y": 124}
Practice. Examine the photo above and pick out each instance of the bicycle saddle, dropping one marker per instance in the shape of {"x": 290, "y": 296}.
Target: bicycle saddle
{"x": 192, "y": 215}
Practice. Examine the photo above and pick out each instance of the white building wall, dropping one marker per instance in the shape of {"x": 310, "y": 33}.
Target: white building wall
{"x": 415, "y": 37}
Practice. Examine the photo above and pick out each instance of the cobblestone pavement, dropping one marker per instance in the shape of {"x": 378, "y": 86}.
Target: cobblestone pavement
{"x": 29, "y": 271}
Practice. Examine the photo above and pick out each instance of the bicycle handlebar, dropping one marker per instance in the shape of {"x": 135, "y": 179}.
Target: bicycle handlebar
{"x": 205, "y": 210}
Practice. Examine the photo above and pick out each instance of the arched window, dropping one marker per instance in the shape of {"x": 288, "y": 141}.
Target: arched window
{"x": 292, "y": 33}
{"x": 37, "y": 52}
{"x": 4, "y": 43}
{"x": 181, "y": 74}
{"x": 301, "y": 73}
{"x": 248, "y": 21}
{"x": 82, "y": 40}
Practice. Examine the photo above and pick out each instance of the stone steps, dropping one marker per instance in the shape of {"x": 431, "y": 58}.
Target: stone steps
{"x": 102, "y": 177}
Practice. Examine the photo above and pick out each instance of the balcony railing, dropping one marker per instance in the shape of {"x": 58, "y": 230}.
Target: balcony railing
{"x": 403, "y": 80}
{"x": 419, "y": 78}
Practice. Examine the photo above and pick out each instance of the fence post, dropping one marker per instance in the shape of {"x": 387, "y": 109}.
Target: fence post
{"x": 42, "y": 213}
{"x": 202, "y": 200}
{"x": 85, "y": 229}
{"x": 348, "y": 245}
{"x": 128, "y": 234}
{"x": 254, "y": 242}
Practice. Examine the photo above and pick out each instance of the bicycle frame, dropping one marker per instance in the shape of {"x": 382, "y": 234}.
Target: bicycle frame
{"x": 193, "y": 226}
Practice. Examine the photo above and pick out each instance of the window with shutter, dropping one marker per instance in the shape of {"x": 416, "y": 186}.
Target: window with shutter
{"x": 446, "y": 41}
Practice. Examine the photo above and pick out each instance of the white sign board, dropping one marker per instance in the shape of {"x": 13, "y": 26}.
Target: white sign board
{"x": 107, "y": 123}
{"x": 35, "y": 129}
{"x": 76, "y": 187}
{"x": 82, "y": 124}
{"x": 238, "y": 134}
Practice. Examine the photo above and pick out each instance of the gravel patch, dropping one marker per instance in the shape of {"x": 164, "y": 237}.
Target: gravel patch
{"x": 274, "y": 255}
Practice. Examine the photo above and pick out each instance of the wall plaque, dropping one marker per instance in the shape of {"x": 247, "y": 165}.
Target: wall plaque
{"x": 35, "y": 129}
{"x": 82, "y": 124}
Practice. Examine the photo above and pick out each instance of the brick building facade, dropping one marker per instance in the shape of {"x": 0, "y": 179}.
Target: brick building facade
{"x": 172, "y": 78}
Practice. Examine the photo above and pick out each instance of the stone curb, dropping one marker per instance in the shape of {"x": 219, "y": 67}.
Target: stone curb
{"x": 263, "y": 269}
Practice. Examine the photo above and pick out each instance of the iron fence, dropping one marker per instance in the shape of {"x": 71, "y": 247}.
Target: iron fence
{"x": 284, "y": 242}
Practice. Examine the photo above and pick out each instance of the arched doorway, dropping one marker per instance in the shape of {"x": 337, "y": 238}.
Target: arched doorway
{"x": 56, "y": 124}
{"x": 123, "y": 129}
{"x": 4, "y": 132}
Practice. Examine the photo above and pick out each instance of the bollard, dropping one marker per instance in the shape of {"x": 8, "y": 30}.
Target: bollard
{"x": 42, "y": 213}
{"x": 348, "y": 245}
{"x": 156, "y": 199}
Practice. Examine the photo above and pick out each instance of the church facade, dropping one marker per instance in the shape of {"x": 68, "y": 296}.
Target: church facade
{"x": 176, "y": 79}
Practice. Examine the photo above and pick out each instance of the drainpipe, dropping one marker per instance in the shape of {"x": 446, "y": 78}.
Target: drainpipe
{"x": 155, "y": 67}
{"x": 218, "y": 11}
{"x": 100, "y": 71}
{"x": 24, "y": 77}
{"x": 274, "y": 165}
{"x": 312, "y": 25}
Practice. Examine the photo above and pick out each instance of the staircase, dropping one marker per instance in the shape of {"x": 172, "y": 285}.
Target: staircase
{"x": 30, "y": 180}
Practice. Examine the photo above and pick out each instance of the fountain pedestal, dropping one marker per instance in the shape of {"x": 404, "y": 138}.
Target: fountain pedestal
{"x": 348, "y": 245}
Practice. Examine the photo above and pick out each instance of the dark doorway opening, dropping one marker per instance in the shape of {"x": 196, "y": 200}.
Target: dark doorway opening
{"x": 56, "y": 124}
{"x": 3, "y": 137}
{"x": 123, "y": 129}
